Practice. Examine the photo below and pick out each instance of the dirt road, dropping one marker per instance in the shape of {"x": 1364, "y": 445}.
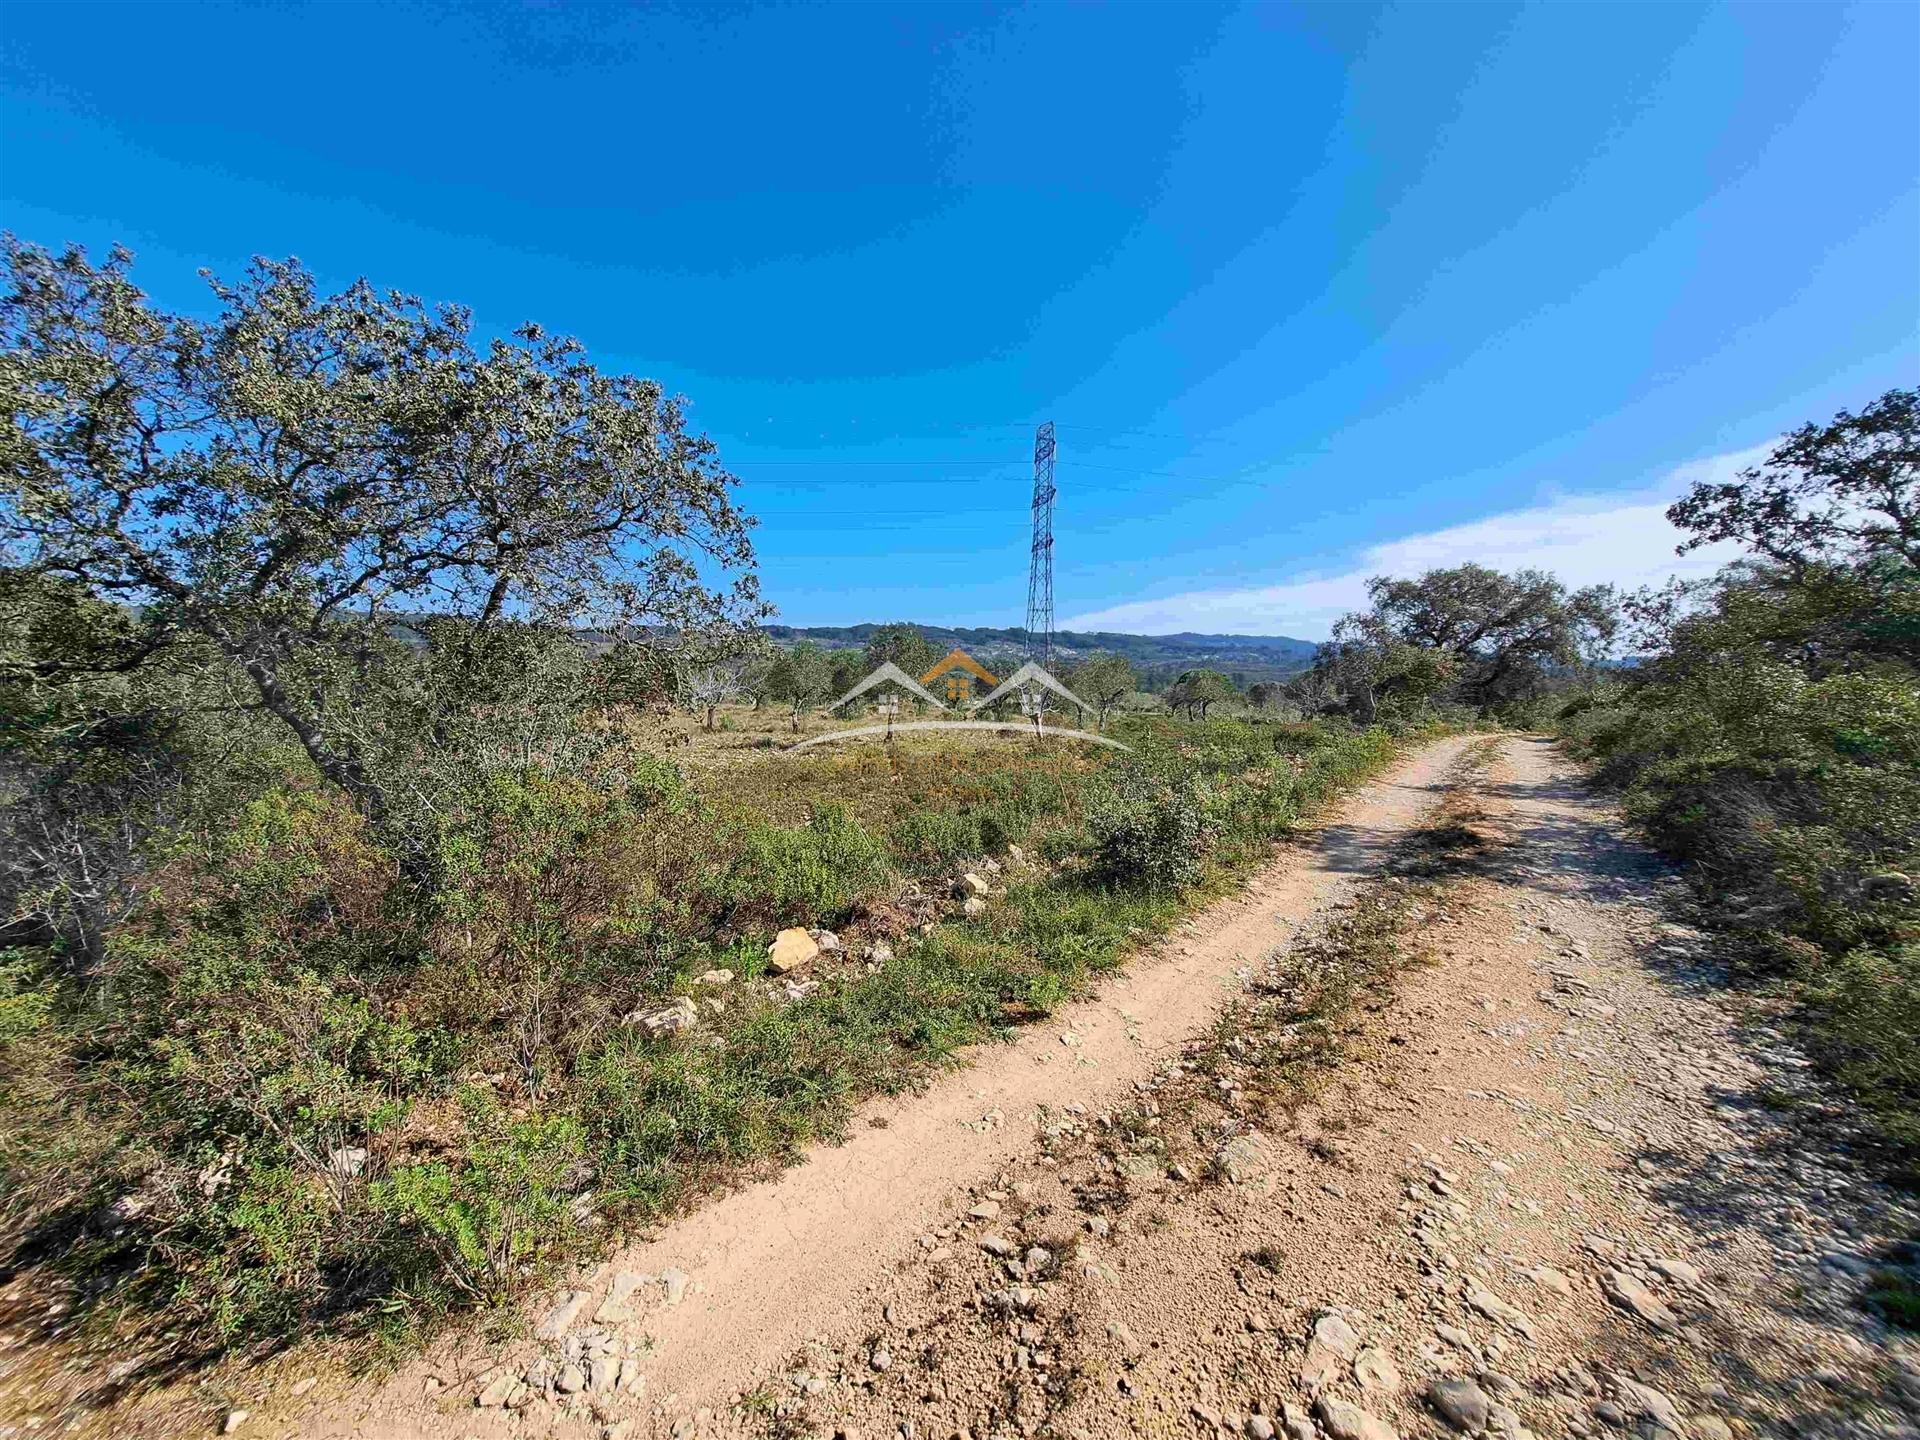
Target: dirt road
{"x": 1537, "y": 1191}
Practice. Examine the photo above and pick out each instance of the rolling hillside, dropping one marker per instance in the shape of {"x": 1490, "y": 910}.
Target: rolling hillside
{"x": 1247, "y": 658}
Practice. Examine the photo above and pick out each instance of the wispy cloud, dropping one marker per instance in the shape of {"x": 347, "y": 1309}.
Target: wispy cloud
{"x": 1623, "y": 539}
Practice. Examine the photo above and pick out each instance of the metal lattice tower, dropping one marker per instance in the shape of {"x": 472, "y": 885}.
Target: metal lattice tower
{"x": 1040, "y": 570}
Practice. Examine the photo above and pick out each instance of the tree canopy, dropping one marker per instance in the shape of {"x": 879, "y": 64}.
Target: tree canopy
{"x": 904, "y": 645}
{"x": 318, "y": 486}
{"x": 1197, "y": 691}
{"x": 1832, "y": 519}
{"x": 1103, "y": 680}
{"x": 800, "y": 678}
{"x": 1493, "y": 638}
{"x": 1828, "y": 494}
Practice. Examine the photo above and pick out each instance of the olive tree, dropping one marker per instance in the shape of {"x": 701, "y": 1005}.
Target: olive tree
{"x": 1364, "y": 671}
{"x": 304, "y": 481}
{"x": 902, "y": 644}
{"x": 1103, "y": 681}
{"x": 1198, "y": 691}
{"x": 801, "y": 678}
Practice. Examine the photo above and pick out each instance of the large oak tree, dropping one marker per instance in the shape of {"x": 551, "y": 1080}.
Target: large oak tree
{"x": 303, "y": 478}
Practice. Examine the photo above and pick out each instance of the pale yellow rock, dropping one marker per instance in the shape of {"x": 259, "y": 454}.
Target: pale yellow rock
{"x": 792, "y": 949}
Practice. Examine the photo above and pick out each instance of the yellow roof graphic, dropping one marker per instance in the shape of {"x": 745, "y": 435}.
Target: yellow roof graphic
{"x": 959, "y": 660}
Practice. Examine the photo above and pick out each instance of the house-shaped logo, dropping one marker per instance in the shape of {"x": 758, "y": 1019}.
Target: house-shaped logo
{"x": 954, "y": 675}
{"x": 958, "y": 674}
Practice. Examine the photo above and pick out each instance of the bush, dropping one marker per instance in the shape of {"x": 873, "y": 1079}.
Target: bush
{"x": 1788, "y": 794}
{"x": 811, "y": 875}
{"x": 1150, "y": 831}
{"x": 495, "y": 1215}
{"x": 1866, "y": 1031}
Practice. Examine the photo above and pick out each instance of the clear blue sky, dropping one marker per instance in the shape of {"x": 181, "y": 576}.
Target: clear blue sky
{"x": 1308, "y": 290}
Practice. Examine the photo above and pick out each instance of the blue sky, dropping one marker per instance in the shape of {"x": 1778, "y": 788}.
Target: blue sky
{"x": 1310, "y": 291}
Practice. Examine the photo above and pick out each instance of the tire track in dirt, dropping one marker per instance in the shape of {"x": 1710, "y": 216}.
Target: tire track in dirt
{"x": 760, "y": 1271}
{"x": 1549, "y": 1190}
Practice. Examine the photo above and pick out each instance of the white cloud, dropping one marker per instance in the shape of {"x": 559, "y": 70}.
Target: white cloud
{"x": 1623, "y": 539}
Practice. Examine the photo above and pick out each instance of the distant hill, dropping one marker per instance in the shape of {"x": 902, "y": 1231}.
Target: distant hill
{"x": 1246, "y": 658}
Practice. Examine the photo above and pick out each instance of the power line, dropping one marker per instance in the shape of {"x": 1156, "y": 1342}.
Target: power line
{"x": 1241, "y": 479}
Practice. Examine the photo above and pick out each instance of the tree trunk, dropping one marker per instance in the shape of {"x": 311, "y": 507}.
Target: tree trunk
{"x": 348, "y": 773}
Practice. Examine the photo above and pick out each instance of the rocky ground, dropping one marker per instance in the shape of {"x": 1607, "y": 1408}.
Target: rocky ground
{"x": 1561, "y": 1182}
{"x": 1485, "y": 1146}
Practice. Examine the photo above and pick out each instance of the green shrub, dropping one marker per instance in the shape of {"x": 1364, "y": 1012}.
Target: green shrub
{"x": 1865, "y": 1028}
{"x": 27, "y": 994}
{"x": 1894, "y": 1295}
{"x": 808, "y": 875}
{"x": 933, "y": 839}
{"x": 1150, "y": 831}
{"x": 495, "y": 1215}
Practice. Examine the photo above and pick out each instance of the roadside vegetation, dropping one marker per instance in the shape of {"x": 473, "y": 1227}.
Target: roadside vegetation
{"x": 376, "y": 942}
{"x": 1770, "y": 737}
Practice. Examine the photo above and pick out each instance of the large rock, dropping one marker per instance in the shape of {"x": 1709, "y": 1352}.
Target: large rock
{"x": 1679, "y": 1271}
{"x": 1494, "y": 1308}
{"x": 1629, "y": 1294}
{"x": 1375, "y": 1373}
{"x": 674, "y": 1282}
{"x": 672, "y": 1019}
{"x": 1350, "y": 1422}
{"x": 560, "y": 1319}
{"x": 1333, "y": 1344}
{"x": 1241, "y": 1159}
{"x": 495, "y": 1392}
{"x": 1548, "y": 1278}
{"x": 1461, "y": 1403}
{"x": 1337, "y": 1335}
{"x": 624, "y": 1298}
{"x": 792, "y": 949}
{"x": 1643, "y": 1402}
